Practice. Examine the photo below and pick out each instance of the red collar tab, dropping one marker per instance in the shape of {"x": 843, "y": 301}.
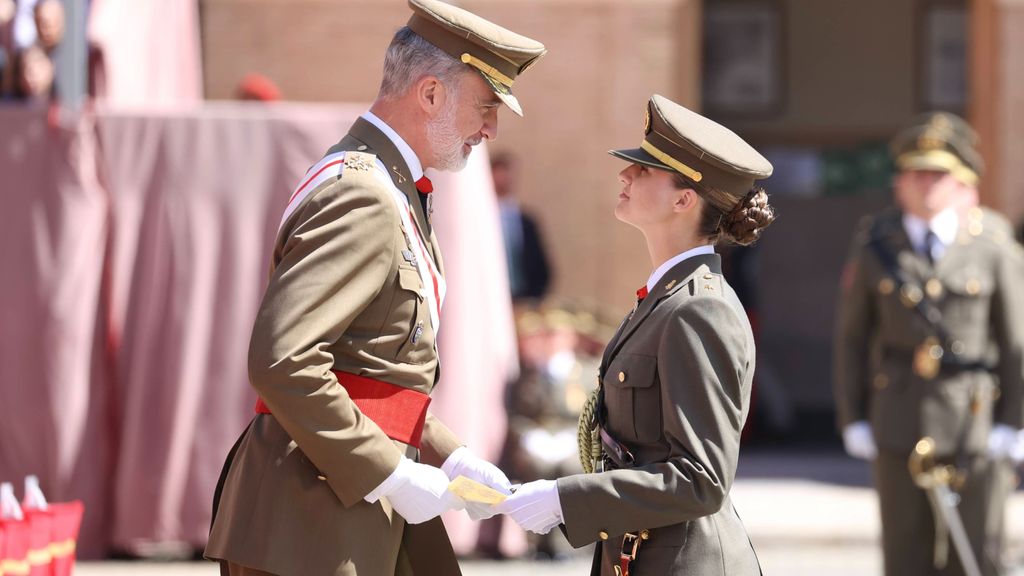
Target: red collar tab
{"x": 642, "y": 292}
{"x": 424, "y": 185}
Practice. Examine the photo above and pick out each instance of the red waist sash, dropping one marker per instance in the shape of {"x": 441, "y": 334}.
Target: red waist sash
{"x": 400, "y": 412}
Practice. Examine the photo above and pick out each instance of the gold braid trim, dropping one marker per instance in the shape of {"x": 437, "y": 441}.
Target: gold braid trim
{"x": 588, "y": 442}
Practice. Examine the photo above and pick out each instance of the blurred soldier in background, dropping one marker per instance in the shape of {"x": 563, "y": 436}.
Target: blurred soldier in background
{"x": 930, "y": 343}
{"x": 559, "y": 357}
{"x": 558, "y": 364}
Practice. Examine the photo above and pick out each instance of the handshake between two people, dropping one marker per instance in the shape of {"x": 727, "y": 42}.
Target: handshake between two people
{"x": 419, "y": 492}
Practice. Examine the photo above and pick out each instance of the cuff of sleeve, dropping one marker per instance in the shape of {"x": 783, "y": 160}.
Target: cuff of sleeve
{"x": 391, "y": 483}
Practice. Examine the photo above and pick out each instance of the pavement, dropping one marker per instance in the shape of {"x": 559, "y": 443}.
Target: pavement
{"x": 808, "y": 513}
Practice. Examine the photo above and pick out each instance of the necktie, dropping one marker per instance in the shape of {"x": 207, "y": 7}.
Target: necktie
{"x": 424, "y": 185}
{"x": 641, "y": 293}
{"x": 931, "y": 243}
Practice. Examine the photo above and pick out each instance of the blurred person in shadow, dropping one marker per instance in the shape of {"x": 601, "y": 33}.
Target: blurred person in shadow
{"x": 529, "y": 274}
{"x": 49, "y": 20}
{"x": 930, "y": 344}
{"x": 557, "y": 367}
{"x": 32, "y": 70}
{"x": 7, "y": 11}
{"x": 662, "y": 433}
{"x": 343, "y": 470}
{"x": 33, "y": 75}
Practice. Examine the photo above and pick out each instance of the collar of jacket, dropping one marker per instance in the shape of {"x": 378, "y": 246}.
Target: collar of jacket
{"x": 674, "y": 280}
{"x": 388, "y": 154}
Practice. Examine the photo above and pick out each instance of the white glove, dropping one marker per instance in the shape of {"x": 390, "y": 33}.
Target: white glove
{"x": 859, "y": 442}
{"x": 462, "y": 462}
{"x": 417, "y": 492}
{"x": 534, "y": 506}
{"x": 1017, "y": 454}
{"x": 1002, "y": 441}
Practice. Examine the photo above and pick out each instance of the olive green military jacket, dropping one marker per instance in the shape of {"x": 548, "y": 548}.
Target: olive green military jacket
{"x": 977, "y": 289}
{"x": 677, "y": 390}
{"x": 342, "y": 297}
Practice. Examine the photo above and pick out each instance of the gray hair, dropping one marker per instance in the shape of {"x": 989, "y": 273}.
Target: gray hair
{"x": 409, "y": 58}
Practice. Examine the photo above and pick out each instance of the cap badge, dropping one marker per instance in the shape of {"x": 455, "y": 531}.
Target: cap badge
{"x": 930, "y": 140}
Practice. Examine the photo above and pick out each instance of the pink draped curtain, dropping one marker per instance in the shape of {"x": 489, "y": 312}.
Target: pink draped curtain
{"x": 150, "y": 51}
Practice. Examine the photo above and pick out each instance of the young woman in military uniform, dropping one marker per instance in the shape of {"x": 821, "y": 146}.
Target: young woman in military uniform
{"x": 675, "y": 379}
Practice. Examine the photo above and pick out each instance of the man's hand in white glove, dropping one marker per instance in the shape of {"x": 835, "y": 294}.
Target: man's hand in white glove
{"x": 1002, "y": 442}
{"x": 462, "y": 462}
{"x": 859, "y": 442}
{"x": 534, "y": 506}
{"x": 417, "y": 492}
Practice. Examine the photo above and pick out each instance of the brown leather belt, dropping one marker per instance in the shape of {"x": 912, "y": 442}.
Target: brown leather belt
{"x": 630, "y": 545}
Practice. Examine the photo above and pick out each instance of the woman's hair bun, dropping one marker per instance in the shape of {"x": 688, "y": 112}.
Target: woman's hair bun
{"x": 743, "y": 225}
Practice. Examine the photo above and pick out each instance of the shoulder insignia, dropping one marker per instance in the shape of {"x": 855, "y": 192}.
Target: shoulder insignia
{"x": 359, "y": 161}
{"x": 708, "y": 283}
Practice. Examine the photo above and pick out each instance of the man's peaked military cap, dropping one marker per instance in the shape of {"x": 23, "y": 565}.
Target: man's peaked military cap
{"x": 498, "y": 54}
{"x": 939, "y": 141}
{"x": 680, "y": 140}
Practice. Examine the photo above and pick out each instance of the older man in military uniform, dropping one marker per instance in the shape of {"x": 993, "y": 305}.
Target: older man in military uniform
{"x": 343, "y": 471}
{"x": 930, "y": 344}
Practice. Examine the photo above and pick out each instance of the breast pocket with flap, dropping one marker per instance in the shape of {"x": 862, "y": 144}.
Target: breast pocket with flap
{"x": 632, "y": 398}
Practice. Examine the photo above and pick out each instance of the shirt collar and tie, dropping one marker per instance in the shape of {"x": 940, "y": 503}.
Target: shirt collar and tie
{"x": 668, "y": 265}
{"x": 931, "y": 238}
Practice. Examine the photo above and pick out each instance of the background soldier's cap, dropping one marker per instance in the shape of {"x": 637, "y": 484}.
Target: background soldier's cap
{"x": 499, "y": 55}
{"x": 942, "y": 142}
{"x": 680, "y": 140}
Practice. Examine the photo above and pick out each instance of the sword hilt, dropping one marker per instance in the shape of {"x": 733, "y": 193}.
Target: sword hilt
{"x": 925, "y": 471}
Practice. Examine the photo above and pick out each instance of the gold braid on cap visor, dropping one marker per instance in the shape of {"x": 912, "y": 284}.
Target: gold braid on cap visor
{"x": 720, "y": 199}
{"x": 670, "y": 161}
{"x": 965, "y": 175}
{"x": 486, "y": 68}
{"x": 937, "y": 158}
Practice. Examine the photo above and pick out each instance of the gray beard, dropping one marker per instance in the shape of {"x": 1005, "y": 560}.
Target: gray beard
{"x": 446, "y": 140}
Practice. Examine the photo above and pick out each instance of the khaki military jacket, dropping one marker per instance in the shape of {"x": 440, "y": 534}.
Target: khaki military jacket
{"x": 341, "y": 296}
{"x": 677, "y": 390}
{"x": 976, "y": 288}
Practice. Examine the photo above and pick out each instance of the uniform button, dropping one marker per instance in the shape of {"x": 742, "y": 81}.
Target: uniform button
{"x": 881, "y": 381}
{"x": 645, "y": 534}
{"x": 886, "y": 286}
{"x": 321, "y": 477}
{"x": 708, "y": 276}
{"x": 933, "y": 288}
{"x": 602, "y": 535}
{"x": 957, "y": 347}
{"x": 973, "y": 286}
{"x": 975, "y": 228}
{"x": 361, "y": 148}
{"x": 622, "y": 376}
{"x": 910, "y": 295}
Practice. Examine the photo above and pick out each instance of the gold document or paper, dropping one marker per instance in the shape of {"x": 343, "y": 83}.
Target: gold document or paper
{"x": 473, "y": 491}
